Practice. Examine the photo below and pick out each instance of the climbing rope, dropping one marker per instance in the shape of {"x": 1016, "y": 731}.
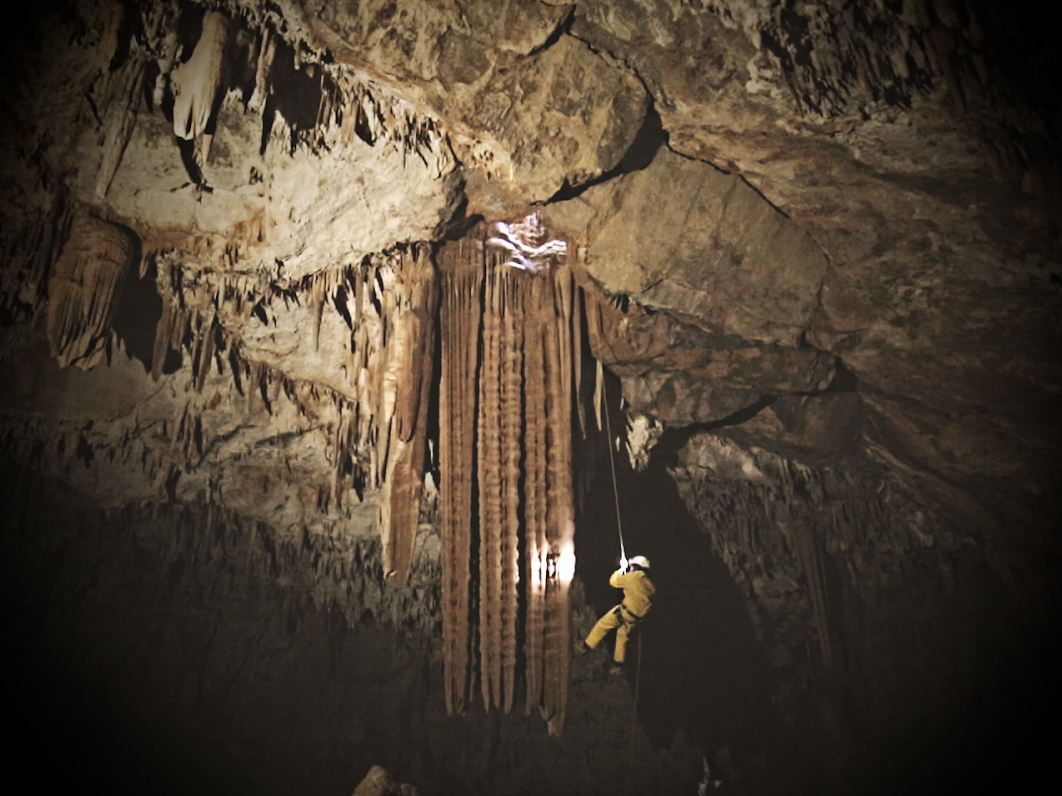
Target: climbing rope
{"x": 612, "y": 461}
{"x": 634, "y": 718}
{"x": 623, "y": 557}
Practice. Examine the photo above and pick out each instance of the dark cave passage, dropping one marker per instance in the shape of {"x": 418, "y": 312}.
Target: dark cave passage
{"x": 196, "y": 673}
{"x": 707, "y": 680}
{"x": 704, "y": 679}
{"x": 703, "y": 670}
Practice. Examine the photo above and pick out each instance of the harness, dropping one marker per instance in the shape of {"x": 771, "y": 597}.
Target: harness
{"x": 622, "y": 609}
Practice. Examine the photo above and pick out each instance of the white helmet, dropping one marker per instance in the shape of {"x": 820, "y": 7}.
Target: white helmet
{"x": 639, "y": 561}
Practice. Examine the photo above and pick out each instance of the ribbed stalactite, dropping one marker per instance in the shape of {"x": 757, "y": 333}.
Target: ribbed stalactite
{"x": 490, "y": 495}
{"x": 514, "y": 404}
{"x": 83, "y": 289}
{"x": 535, "y": 502}
{"x": 500, "y": 436}
{"x": 560, "y": 525}
{"x": 510, "y": 290}
{"x": 461, "y": 283}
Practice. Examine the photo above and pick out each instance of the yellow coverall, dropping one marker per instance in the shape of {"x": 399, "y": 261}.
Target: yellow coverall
{"x": 637, "y": 599}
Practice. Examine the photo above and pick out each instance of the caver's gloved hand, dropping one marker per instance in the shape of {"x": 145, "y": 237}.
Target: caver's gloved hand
{"x": 625, "y": 565}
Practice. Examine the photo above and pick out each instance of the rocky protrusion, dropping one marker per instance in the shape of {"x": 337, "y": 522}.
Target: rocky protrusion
{"x": 83, "y": 288}
{"x": 379, "y": 782}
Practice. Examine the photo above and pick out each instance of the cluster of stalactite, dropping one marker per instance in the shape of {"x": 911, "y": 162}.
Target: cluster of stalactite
{"x": 770, "y": 517}
{"x": 510, "y": 349}
{"x": 378, "y": 417}
{"x": 380, "y": 435}
{"x": 274, "y": 76}
{"x": 869, "y": 50}
{"x": 340, "y": 572}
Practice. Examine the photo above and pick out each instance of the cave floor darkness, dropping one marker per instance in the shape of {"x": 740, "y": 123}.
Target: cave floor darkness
{"x": 175, "y": 661}
{"x": 168, "y": 655}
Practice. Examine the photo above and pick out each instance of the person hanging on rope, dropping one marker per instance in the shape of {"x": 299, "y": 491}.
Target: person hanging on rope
{"x": 633, "y": 578}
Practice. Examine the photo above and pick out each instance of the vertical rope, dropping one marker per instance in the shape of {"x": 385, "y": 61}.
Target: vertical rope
{"x": 623, "y": 555}
{"x": 634, "y": 718}
{"x": 612, "y": 461}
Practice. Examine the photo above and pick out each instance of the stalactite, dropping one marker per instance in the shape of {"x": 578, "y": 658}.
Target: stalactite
{"x": 390, "y": 354}
{"x": 560, "y": 527}
{"x": 490, "y": 495}
{"x": 512, "y": 284}
{"x": 461, "y": 275}
{"x": 196, "y": 82}
{"x": 204, "y": 348}
{"x": 413, "y": 347}
{"x": 120, "y": 119}
{"x": 83, "y": 289}
{"x": 576, "y": 326}
{"x": 537, "y": 548}
{"x": 596, "y": 334}
{"x": 267, "y": 50}
{"x": 808, "y": 550}
{"x": 525, "y": 382}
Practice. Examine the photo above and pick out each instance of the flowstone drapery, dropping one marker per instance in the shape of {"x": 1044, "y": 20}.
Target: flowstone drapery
{"x": 84, "y": 284}
{"x": 507, "y": 390}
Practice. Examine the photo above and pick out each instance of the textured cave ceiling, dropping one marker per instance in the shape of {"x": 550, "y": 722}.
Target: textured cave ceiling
{"x": 817, "y": 244}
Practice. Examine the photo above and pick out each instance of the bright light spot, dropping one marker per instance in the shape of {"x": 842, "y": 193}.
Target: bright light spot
{"x": 527, "y": 244}
{"x": 566, "y": 565}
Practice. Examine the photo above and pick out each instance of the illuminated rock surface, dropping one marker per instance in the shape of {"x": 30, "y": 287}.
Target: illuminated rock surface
{"x": 298, "y": 465}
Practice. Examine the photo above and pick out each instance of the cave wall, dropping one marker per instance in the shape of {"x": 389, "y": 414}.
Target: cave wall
{"x": 818, "y": 248}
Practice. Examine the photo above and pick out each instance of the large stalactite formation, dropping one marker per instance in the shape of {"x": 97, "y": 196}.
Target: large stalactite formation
{"x": 508, "y": 358}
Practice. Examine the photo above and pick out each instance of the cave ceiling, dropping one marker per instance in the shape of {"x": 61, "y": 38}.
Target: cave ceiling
{"x": 825, "y": 231}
